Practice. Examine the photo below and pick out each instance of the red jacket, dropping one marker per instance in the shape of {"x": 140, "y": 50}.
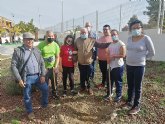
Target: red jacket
{"x": 66, "y": 55}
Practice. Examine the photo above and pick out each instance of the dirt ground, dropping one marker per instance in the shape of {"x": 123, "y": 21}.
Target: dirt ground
{"x": 85, "y": 109}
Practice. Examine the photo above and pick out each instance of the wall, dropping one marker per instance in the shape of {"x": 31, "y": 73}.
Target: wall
{"x": 158, "y": 41}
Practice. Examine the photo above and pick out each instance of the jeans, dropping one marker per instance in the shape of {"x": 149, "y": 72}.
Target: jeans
{"x": 68, "y": 71}
{"x": 92, "y": 69}
{"x": 135, "y": 76}
{"x": 84, "y": 75}
{"x": 116, "y": 75}
{"x": 34, "y": 80}
{"x": 103, "y": 68}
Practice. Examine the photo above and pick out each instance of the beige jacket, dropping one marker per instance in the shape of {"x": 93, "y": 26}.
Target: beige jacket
{"x": 84, "y": 50}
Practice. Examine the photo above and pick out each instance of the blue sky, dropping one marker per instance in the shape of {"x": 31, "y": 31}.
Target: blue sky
{"x": 48, "y": 12}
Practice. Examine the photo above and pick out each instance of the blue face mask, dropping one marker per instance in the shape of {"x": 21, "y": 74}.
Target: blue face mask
{"x": 115, "y": 38}
{"x": 84, "y": 36}
{"x": 136, "y": 32}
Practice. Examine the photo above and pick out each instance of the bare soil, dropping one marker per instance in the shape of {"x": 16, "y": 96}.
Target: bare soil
{"x": 85, "y": 109}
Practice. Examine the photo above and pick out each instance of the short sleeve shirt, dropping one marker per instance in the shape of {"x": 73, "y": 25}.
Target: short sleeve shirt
{"x": 49, "y": 51}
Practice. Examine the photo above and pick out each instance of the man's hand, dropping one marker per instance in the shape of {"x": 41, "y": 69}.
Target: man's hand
{"x": 55, "y": 70}
{"x": 75, "y": 64}
{"x": 42, "y": 79}
{"x": 60, "y": 69}
{"x": 74, "y": 52}
{"x": 112, "y": 57}
{"x": 21, "y": 83}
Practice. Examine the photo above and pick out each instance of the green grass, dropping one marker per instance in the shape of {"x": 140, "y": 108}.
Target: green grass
{"x": 162, "y": 102}
{"x": 15, "y": 121}
{"x": 18, "y": 109}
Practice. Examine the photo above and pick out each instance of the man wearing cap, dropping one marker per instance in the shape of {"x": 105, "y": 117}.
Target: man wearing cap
{"x": 92, "y": 35}
{"x": 28, "y": 68}
{"x": 51, "y": 54}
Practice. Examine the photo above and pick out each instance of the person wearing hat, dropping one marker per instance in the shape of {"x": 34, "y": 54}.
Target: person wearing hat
{"x": 92, "y": 34}
{"x": 28, "y": 68}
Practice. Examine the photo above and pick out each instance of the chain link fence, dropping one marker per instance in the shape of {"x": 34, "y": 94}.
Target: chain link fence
{"x": 116, "y": 17}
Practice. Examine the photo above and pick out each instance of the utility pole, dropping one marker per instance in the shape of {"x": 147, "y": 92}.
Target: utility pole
{"x": 62, "y": 18}
{"x": 120, "y": 19}
{"x": 97, "y": 23}
{"x": 39, "y": 16}
{"x": 162, "y": 17}
{"x": 158, "y": 21}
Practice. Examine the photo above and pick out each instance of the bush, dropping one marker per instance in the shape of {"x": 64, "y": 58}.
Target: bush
{"x": 13, "y": 88}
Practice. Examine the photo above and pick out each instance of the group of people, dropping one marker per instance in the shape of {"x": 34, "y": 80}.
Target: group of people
{"x": 40, "y": 65}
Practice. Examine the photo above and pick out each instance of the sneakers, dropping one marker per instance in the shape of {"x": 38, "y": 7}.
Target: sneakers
{"x": 31, "y": 116}
{"x": 134, "y": 110}
{"x": 99, "y": 86}
{"x": 64, "y": 93}
{"x": 117, "y": 98}
{"x": 127, "y": 105}
{"x": 90, "y": 91}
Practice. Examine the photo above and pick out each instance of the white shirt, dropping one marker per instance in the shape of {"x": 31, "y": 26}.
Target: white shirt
{"x": 114, "y": 49}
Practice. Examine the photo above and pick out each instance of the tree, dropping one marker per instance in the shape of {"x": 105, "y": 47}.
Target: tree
{"x": 2, "y": 30}
{"x": 153, "y": 8}
{"x": 125, "y": 28}
{"x": 26, "y": 27}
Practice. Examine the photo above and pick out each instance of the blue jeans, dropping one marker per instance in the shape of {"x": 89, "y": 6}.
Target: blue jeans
{"x": 30, "y": 80}
{"x": 92, "y": 69}
{"x": 135, "y": 76}
{"x": 116, "y": 76}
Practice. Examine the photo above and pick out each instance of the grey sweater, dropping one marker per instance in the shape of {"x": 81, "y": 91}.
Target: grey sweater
{"x": 17, "y": 62}
{"x": 138, "y": 52}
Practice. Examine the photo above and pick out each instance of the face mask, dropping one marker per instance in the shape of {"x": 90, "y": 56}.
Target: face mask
{"x": 136, "y": 32}
{"x": 49, "y": 40}
{"x": 69, "y": 42}
{"x": 84, "y": 36}
{"x": 115, "y": 38}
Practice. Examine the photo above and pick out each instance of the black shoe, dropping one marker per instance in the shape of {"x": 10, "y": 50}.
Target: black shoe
{"x": 56, "y": 97}
{"x": 106, "y": 98}
{"x": 117, "y": 98}
{"x": 73, "y": 93}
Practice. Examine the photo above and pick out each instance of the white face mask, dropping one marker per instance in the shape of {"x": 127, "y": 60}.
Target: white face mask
{"x": 136, "y": 32}
{"x": 84, "y": 36}
{"x": 115, "y": 38}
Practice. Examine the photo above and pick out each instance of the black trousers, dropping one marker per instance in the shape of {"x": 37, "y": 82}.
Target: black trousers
{"x": 49, "y": 75}
{"x": 103, "y": 69}
{"x": 84, "y": 75}
{"x": 135, "y": 76}
{"x": 68, "y": 71}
